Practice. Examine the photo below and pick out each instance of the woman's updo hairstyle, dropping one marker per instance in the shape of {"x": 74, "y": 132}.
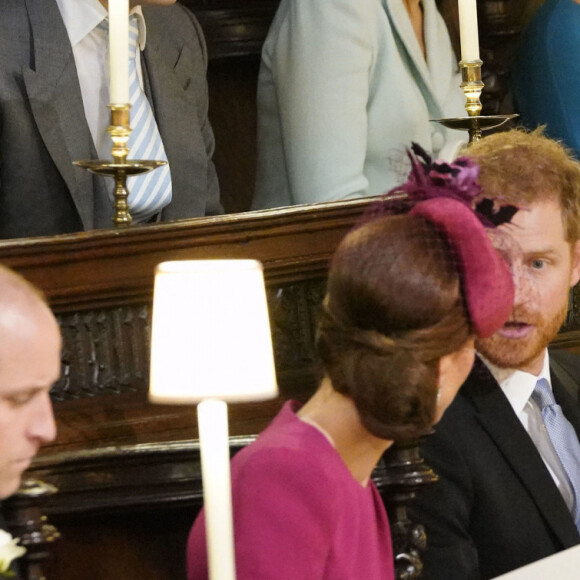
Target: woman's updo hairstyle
{"x": 393, "y": 308}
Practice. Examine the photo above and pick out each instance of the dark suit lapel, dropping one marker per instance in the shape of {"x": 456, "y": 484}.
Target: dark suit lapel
{"x": 169, "y": 78}
{"x": 56, "y": 102}
{"x": 499, "y": 420}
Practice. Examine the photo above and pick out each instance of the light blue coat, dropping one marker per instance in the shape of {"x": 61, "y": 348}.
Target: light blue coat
{"x": 343, "y": 89}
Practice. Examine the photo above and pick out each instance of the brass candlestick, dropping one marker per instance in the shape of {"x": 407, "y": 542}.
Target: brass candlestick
{"x": 472, "y": 86}
{"x": 120, "y": 168}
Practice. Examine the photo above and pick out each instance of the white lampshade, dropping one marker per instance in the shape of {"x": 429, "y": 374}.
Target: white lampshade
{"x": 211, "y": 333}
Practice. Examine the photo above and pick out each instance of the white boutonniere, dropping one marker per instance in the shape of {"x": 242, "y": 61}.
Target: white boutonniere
{"x": 9, "y": 551}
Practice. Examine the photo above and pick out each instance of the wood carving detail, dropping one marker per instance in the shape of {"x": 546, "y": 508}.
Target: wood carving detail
{"x": 573, "y": 317}
{"x": 293, "y": 310}
{"x": 106, "y": 351}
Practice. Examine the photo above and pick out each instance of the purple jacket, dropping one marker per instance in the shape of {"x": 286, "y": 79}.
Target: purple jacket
{"x": 299, "y": 513}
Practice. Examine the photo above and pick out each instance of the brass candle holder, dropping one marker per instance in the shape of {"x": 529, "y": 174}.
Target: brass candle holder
{"x": 120, "y": 167}
{"x": 472, "y": 86}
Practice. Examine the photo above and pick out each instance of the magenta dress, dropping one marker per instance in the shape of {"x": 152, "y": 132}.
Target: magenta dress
{"x": 298, "y": 512}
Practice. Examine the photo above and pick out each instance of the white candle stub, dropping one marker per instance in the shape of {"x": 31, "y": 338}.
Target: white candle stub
{"x": 119, "y": 51}
{"x": 468, "y": 32}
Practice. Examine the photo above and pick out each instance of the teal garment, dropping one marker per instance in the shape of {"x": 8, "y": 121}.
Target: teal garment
{"x": 546, "y": 73}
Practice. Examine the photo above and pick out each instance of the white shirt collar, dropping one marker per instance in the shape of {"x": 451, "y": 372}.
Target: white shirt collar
{"x": 142, "y": 28}
{"x": 81, "y": 17}
{"x": 518, "y": 385}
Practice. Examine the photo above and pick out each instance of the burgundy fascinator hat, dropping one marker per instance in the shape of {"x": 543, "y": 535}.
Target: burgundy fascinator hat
{"x": 443, "y": 194}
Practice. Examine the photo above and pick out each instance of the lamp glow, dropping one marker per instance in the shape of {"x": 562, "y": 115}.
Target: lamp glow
{"x": 211, "y": 343}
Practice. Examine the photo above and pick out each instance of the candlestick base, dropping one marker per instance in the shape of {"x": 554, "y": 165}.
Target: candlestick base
{"x": 475, "y": 125}
{"x": 120, "y": 172}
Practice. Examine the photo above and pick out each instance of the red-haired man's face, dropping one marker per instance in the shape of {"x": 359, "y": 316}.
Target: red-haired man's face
{"x": 544, "y": 270}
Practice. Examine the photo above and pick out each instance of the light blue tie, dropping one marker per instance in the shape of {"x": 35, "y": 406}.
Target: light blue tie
{"x": 148, "y": 193}
{"x": 563, "y": 438}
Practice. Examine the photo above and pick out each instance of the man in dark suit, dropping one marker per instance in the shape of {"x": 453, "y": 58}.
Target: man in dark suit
{"x": 30, "y": 346}
{"x": 49, "y": 115}
{"x": 504, "y": 497}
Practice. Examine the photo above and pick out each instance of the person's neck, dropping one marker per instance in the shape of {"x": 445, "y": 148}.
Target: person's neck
{"x": 415, "y": 11}
{"x": 338, "y": 416}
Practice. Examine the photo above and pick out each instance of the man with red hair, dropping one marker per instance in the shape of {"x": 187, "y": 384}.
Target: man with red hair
{"x": 507, "y": 489}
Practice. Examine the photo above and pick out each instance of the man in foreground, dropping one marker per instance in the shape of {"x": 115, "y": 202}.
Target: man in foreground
{"x": 29, "y": 365}
{"x": 509, "y": 489}
{"x": 30, "y": 346}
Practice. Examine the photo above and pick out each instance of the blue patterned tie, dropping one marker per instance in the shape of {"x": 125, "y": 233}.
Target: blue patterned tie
{"x": 148, "y": 193}
{"x": 563, "y": 438}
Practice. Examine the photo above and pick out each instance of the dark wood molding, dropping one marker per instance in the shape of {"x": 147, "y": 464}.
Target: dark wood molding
{"x": 108, "y": 268}
{"x": 234, "y": 28}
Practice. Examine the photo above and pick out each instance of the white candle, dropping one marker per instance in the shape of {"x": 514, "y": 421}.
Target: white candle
{"x": 468, "y": 33}
{"x": 119, "y": 50}
{"x": 212, "y": 421}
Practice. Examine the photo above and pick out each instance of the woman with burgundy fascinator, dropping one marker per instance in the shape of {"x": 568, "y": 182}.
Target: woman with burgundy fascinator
{"x": 409, "y": 289}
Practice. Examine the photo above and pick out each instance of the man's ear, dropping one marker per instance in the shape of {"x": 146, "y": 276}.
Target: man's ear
{"x": 575, "y": 274}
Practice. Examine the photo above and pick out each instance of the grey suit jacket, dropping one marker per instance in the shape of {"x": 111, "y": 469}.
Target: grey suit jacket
{"x": 495, "y": 507}
{"x": 43, "y": 127}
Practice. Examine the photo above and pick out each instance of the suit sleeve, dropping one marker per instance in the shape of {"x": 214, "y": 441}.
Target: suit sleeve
{"x": 321, "y": 63}
{"x": 444, "y": 509}
{"x": 213, "y": 206}
{"x": 283, "y": 520}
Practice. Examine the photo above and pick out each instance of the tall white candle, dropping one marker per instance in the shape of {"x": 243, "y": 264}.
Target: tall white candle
{"x": 212, "y": 421}
{"x": 468, "y": 32}
{"x": 119, "y": 50}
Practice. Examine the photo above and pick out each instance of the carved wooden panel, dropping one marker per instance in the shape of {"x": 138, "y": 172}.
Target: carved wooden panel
{"x": 569, "y": 336}
{"x": 106, "y": 351}
{"x": 293, "y": 314}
